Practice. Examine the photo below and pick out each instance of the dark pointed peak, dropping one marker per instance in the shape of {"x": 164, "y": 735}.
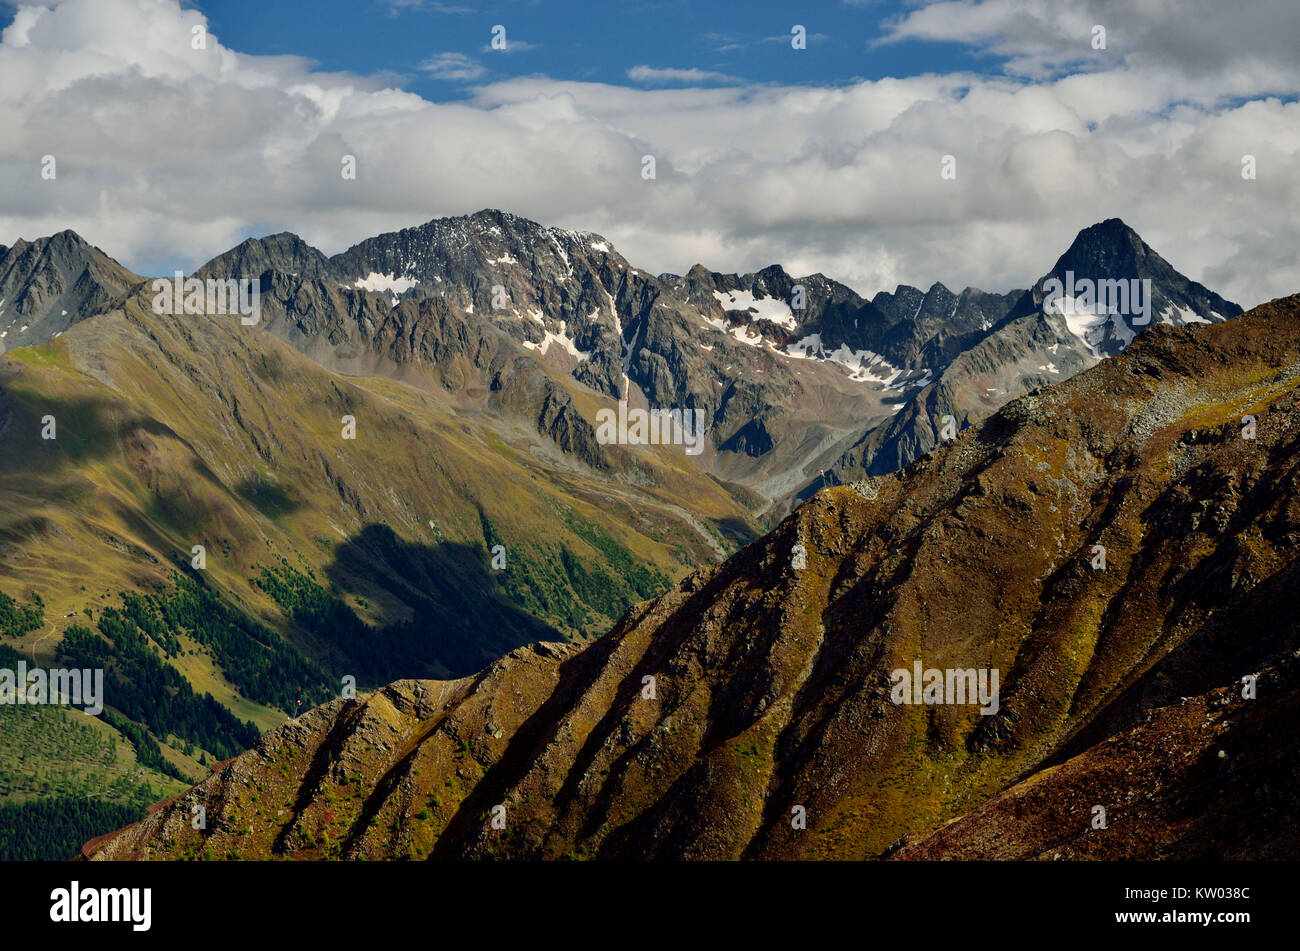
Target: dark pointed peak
{"x": 1112, "y": 232}
{"x": 1113, "y": 226}
{"x": 1112, "y": 249}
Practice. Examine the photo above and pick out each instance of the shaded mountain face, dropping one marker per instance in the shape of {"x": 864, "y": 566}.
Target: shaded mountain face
{"x": 1120, "y": 548}
{"x": 48, "y": 285}
{"x": 1203, "y": 777}
{"x": 1105, "y": 289}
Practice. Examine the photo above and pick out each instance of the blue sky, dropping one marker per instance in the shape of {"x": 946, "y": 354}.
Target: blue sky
{"x": 584, "y": 41}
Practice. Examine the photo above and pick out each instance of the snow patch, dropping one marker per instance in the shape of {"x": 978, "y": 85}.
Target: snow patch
{"x": 1190, "y": 316}
{"x": 386, "y": 282}
{"x": 563, "y": 339}
{"x": 1090, "y": 326}
{"x": 864, "y": 366}
{"x": 1087, "y": 327}
{"x": 766, "y": 308}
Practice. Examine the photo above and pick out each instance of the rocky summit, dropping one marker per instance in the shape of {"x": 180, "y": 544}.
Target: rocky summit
{"x": 1120, "y": 547}
{"x": 49, "y": 284}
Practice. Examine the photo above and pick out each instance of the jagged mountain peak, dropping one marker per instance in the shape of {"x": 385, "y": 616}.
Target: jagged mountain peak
{"x": 491, "y": 224}
{"x": 1110, "y": 284}
{"x": 70, "y": 238}
{"x": 1112, "y": 249}
{"x": 432, "y": 252}
{"x": 283, "y": 251}
{"x": 1110, "y": 230}
{"x": 51, "y": 283}
{"x": 66, "y": 241}
{"x": 777, "y": 272}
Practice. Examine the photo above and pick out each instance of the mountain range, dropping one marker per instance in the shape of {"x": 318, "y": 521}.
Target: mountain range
{"x": 796, "y": 376}
{"x": 1147, "y": 695}
{"x": 238, "y": 539}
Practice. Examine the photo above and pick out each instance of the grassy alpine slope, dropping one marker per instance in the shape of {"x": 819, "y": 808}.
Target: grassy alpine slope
{"x": 324, "y": 556}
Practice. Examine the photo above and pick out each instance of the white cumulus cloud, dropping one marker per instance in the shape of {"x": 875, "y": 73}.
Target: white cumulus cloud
{"x": 168, "y": 155}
